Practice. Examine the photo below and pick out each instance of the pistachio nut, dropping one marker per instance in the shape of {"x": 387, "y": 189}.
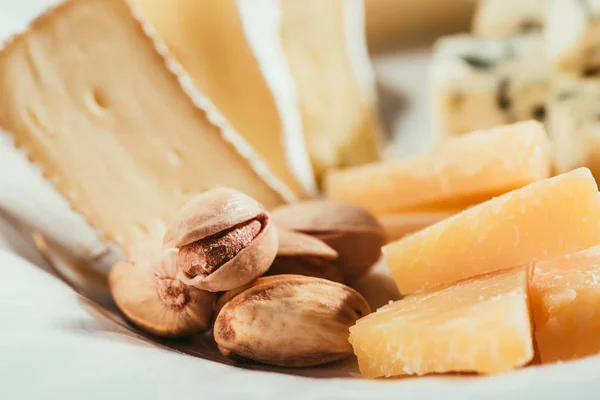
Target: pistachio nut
{"x": 145, "y": 288}
{"x": 302, "y": 254}
{"x": 225, "y": 240}
{"x": 290, "y": 321}
{"x": 349, "y": 229}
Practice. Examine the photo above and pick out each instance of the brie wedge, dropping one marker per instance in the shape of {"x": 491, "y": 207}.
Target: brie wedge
{"x": 96, "y": 102}
{"x": 291, "y": 76}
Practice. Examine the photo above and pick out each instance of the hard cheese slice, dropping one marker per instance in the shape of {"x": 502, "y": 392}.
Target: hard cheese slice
{"x": 459, "y": 172}
{"x": 565, "y": 299}
{"x": 478, "y": 325}
{"x": 548, "y": 218}
{"x": 399, "y": 225}
{"x": 117, "y": 127}
{"x": 232, "y": 51}
{"x": 325, "y": 46}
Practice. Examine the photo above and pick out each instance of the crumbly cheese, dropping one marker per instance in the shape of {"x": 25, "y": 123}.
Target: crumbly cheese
{"x": 116, "y": 124}
{"x": 479, "y": 83}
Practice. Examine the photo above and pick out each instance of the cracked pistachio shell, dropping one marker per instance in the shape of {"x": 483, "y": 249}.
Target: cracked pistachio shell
{"x": 290, "y": 321}
{"x": 214, "y": 212}
{"x": 349, "y": 229}
{"x": 145, "y": 289}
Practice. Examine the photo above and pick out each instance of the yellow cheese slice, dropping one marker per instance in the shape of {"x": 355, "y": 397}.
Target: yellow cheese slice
{"x": 116, "y": 124}
{"x": 459, "y": 172}
{"x": 478, "y": 325}
{"x": 397, "y": 226}
{"x": 565, "y": 300}
{"x": 548, "y": 218}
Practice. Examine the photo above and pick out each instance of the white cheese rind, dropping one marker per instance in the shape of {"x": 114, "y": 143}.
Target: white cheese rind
{"x": 478, "y": 83}
{"x": 572, "y": 34}
{"x": 508, "y": 17}
{"x": 260, "y": 21}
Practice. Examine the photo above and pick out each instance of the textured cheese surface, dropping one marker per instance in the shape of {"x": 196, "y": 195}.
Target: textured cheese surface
{"x": 574, "y": 124}
{"x": 548, "y": 218}
{"x": 478, "y": 83}
{"x": 336, "y": 100}
{"x": 399, "y": 225}
{"x": 87, "y": 96}
{"x": 508, "y": 17}
{"x": 459, "y": 172}
{"x": 226, "y": 47}
{"x": 478, "y": 325}
{"x": 565, "y": 299}
{"x": 572, "y": 32}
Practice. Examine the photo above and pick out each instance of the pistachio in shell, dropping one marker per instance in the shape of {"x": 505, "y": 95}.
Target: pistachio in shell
{"x": 289, "y": 321}
{"x": 349, "y": 229}
{"x": 225, "y": 240}
{"x": 301, "y": 254}
{"x": 145, "y": 288}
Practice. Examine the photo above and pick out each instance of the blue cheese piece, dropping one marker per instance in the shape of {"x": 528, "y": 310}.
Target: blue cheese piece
{"x": 574, "y": 123}
{"x": 572, "y": 35}
{"x": 508, "y": 17}
{"x": 478, "y": 83}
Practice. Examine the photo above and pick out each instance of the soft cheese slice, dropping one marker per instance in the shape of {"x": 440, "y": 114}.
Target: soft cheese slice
{"x": 548, "y": 218}
{"x": 478, "y": 325}
{"x": 118, "y": 128}
{"x": 573, "y": 123}
{"x": 565, "y": 299}
{"x": 233, "y": 52}
{"x": 459, "y": 172}
{"x": 572, "y": 32}
{"x": 508, "y": 17}
{"x": 325, "y": 46}
{"x": 478, "y": 83}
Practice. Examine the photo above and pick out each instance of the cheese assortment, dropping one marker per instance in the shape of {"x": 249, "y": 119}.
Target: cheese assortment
{"x": 478, "y": 82}
{"x": 508, "y": 17}
{"x": 126, "y": 153}
{"x": 565, "y": 293}
{"x": 269, "y": 84}
{"x": 573, "y": 123}
{"x": 478, "y": 325}
{"x": 571, "y": 35}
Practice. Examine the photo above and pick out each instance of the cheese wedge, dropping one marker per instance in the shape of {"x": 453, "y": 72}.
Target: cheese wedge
{"x": 478, "y": 325}
{"x": 233, "y": 53}
{"x": 116, "y": 124}
{"x": 459, "y": 172}
{"x": 565, "y": 299}
{"x": 397, "y": 226}
{"x": 287, "y": 74}
{"x": 548, "y": 218}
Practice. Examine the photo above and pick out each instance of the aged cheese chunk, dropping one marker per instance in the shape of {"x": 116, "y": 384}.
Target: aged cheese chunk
{"x": 574, "y": 124}
{"x": 565, "y": 299}
{"x": 508, "y": 17}
{"x": 478, "y": 83}
{"x": 572, "y": 32}
{"x": 548, "y": 218}
{"x": 255, "y": 60}
{"x": 478, "y": 325}
{"x": 459, "y": 172}
{"x": 119, "y": 128}
{"x": 233, "y": 53}
{"x": 325, "y": 46}
{"x": 399, "y": 225}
